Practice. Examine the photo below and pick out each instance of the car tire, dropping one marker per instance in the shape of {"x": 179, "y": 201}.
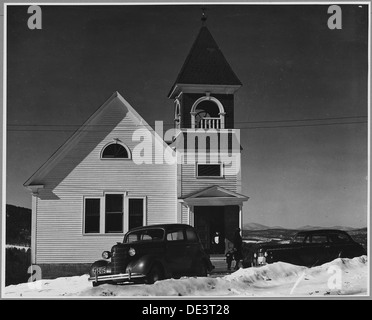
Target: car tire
{"x": 202, "y": 270}
{"x": 155, "y": 274}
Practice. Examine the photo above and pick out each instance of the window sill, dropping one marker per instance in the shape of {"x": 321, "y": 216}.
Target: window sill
{"x": 212, "y": 177}
{"x": 103, "y": 234}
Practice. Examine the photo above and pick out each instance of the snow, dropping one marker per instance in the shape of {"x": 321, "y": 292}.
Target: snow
{"x": 339, "y": 277}
{"x": 12, "y": 246}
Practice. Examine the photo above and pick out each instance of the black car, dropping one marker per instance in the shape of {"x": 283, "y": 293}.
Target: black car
{"x": 307, "y": 248}
{"x": 151, "y": 253}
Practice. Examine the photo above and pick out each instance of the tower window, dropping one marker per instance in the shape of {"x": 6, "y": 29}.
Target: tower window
{"x": 209, "y": 170}
{"x": 115, "y": 151}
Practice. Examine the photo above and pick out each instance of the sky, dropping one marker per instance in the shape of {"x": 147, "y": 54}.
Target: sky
{"x": 302, "y": 109}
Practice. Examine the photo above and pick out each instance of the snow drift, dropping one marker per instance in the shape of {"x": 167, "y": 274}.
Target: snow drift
{"x": 339, "y": 277}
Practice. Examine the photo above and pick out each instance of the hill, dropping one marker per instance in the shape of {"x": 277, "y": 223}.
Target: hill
{"x": 18, "y": 225}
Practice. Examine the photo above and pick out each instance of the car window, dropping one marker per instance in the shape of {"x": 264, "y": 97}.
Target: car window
{"x": 144, "y": 235}
{"x": 175, "y": 235}
{"x": 338, "y": 238}
{"x": 299, "y": 238}
{"x": 191, "y": 235}
{"x": 319, "y": 238}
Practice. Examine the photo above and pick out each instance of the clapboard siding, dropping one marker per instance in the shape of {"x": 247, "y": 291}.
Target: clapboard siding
{"x": 190, "y": 184}
{"x": 81, "y": 172}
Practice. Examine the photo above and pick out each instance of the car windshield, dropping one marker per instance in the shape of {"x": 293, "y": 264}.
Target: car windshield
{"x": 144, "y": 235}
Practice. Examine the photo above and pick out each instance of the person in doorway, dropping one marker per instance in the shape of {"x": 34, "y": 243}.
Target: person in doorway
{"x": 216, "y": 241}
{"x": 238, "y": 242}
{"x": 229, "y": 258}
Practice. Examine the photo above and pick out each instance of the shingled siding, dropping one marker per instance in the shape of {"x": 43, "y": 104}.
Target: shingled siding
{"x": 81, "y": 173}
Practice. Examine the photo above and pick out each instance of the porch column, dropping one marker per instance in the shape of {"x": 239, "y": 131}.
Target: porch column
{"x": 241, "y": 217}
{"x": 190, "y": 215}
{"x": 193, "y": 113}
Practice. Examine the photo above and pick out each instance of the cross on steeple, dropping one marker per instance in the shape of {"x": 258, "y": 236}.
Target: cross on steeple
{"x": 204, "y": 16}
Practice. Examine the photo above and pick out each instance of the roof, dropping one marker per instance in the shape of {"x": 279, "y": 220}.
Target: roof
{"x": 214, "y": 195}
{"x": 205, "y": 64}
{"x": 34, "y": 180}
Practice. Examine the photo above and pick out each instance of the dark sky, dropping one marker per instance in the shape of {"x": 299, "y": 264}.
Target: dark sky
{"x": 291, "y": 65}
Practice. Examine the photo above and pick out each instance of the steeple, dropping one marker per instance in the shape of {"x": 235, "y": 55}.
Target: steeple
{"x": 205, "y": 65}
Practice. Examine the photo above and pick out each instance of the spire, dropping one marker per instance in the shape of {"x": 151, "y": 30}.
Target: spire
{"x": 204, "y": 16}
{"x": 205, "y": 64}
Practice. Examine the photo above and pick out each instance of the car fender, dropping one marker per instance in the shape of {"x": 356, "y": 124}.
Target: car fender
{"x": 144, "y": 264}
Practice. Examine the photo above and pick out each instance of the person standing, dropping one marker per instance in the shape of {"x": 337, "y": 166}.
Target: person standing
{"x": 238, "y": 243}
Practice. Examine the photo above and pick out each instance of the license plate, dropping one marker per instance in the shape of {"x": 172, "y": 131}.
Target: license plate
{"x": 100, "y": 270}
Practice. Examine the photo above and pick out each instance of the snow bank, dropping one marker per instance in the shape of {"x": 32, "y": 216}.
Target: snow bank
{"x": 12, "y": 246}
{"x": 339, "y": 277}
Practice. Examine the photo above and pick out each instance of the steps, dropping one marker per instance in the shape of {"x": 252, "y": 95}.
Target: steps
{"x": 219, "y": 261}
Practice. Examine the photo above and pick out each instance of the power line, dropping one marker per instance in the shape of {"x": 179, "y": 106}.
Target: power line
{"x": 171, "y": 124}
{"x": 241, "y": 128}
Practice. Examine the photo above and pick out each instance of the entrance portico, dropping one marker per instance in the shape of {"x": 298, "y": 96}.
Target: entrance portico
{"x": 215, "y": 210}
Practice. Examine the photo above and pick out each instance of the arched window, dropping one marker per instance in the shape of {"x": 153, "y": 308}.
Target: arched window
{"x": 115, "y": 151}
{"x": 208, "y": 113}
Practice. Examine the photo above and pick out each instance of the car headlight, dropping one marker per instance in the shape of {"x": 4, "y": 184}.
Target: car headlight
{"x": 106, "y": 254}
{"x": 132, "y": 252}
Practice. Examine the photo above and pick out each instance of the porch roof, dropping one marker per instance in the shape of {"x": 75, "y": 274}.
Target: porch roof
{"x": 214, "y": 196}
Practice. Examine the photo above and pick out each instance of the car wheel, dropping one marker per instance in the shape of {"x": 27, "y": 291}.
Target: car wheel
{"x": 202, "y": 270}
{"x": 155, "y": 274}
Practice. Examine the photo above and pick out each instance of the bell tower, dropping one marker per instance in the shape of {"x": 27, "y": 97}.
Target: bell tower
{"x": 203, "y": 92}
{"x": 207, "y": 144}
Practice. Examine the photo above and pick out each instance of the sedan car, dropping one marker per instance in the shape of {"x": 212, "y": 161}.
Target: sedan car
{"x": 152, "y": 253}
{"x": 307, "y": 248}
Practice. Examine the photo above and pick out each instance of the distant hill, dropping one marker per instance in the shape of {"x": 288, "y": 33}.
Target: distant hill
{"x": 307, "y": 227}
{"x": 18, "y": 225}
{"x": 257, "y": 226}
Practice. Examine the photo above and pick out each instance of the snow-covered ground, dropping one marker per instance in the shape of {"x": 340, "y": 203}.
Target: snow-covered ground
{"x": 339, "y": 277}
{"x": 12, "y": 246}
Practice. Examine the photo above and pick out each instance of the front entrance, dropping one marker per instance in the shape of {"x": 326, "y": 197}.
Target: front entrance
{"x": 215, "y": 226}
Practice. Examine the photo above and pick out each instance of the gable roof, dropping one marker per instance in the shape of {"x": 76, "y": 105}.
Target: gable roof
{"x": 214, "y": 195}
{"x": 205, "y": 64}
{"x": 78, "y": 134}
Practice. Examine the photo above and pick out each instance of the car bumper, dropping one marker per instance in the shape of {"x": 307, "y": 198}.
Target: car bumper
{"x": 120, "y": 277}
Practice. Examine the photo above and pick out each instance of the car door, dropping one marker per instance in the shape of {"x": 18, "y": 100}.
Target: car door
{"x": 175, "y": 256}
{"x": 312, "y": 251}
{"x": 320, "y": 248}
{"x": 340, "y": 245}
{"x": 193, "y": 249}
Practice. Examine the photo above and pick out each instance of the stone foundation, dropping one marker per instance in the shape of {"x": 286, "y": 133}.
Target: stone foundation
{"x": 57, "y": 270}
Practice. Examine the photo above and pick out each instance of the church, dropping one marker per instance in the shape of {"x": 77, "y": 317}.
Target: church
{"x": 101, "y": 183}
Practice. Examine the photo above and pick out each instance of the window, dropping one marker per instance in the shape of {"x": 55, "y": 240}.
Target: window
{"x": 115, "y": 151}
{"x": 114, "y": 213}
{"x": 319, "y": 238}
{"x": 145, "y": 235}
{"x": 136, "y": 208}
{"x": 92, "y": 215}
{"x": 209, "y": 170}
{"x": 191, "y": 235}
{"x": 338, "y": 238}
{"x": 175, "y": 235}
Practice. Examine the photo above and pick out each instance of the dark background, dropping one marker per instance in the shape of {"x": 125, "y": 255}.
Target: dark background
{"x": 291, "y": 65}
